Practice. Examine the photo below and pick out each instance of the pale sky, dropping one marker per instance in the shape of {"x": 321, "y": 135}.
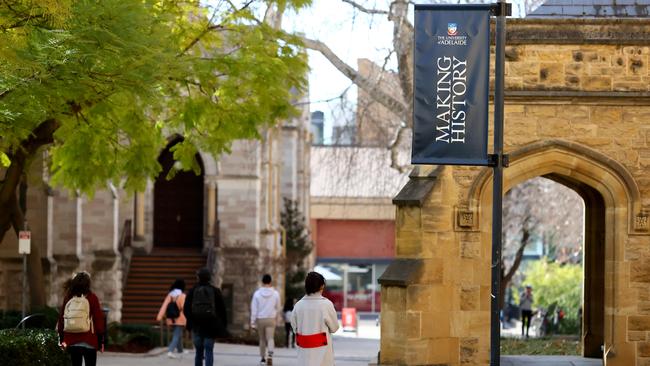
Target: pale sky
{"x": 351, "y": 35}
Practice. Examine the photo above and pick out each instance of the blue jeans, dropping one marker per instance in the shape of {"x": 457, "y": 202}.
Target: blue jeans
{"x": 203, "y": 345}
{"x": 177, "y": 341}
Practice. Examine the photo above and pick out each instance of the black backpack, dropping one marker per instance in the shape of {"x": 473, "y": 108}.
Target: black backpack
{"x": 172, "y": 312}
{"x": 203, "y": 306}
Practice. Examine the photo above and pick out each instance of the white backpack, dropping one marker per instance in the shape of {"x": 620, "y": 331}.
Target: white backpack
{"x": 76, "y": 316}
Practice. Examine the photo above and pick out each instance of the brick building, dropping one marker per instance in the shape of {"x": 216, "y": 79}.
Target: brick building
{"x": 353, "y": 221}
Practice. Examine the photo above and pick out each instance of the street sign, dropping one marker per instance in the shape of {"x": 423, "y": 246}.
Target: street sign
{"x": 24, "y": 242}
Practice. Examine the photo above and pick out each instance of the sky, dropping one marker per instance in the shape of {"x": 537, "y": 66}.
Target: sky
{"x": 351, "y": 35}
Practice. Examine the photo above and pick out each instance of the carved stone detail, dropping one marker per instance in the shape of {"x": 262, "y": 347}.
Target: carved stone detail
{"x": 465, "y": 218}
{"x": 641, "y": 221}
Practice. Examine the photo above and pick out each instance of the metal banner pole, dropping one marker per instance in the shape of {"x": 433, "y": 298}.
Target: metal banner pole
{"x": 24, "y": 308}
{"x": 497, "y": 187}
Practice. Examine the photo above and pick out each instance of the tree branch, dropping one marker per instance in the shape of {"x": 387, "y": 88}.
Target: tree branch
{"x": 397, "y": 107}
{"x": 364, "y": 9}
{"x": 210, "y": 27}
{"x": 41, "y": 135}
{"x": 519, "y": 256}
{"x": 403, "y": 46}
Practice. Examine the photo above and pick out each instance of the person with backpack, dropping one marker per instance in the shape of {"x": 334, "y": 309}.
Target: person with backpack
{"x": 314, "y": 320}
{"x": 172, "y": 310}
{"x": 206, "y": 317}
{"x": 81, "y": 322}
{"x": 265, "y": 308}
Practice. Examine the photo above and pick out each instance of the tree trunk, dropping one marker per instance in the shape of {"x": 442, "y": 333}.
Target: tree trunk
{"x": 10, "y": 213}
{"x": 507, "y": 277}
{"x": 35, "y": 275}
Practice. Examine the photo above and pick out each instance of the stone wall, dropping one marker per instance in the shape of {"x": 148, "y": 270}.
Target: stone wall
{"x": 578, "y": 112}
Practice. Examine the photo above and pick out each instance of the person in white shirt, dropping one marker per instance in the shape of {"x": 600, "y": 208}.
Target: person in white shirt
{"x": 265, "y": 308}
{"x": 314, "y": 320}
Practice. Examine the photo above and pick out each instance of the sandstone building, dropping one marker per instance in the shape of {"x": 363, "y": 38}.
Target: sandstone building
{"x": 134, "y": 246}
{"x": 577, "y": 110}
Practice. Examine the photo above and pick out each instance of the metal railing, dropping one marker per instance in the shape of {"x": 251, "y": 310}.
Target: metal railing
{"x": 28, "y": 317}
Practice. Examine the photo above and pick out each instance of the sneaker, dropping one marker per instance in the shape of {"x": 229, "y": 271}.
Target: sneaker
{"x": 262, "y": 362}
{"x": 171, "y": 355}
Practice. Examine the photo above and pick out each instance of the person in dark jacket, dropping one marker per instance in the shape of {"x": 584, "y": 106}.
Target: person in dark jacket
{"x": 206, "y": 317}
{"x": 81, "y": 344}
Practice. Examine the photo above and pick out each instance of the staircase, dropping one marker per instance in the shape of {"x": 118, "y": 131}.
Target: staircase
{"x": 149, "y": 279}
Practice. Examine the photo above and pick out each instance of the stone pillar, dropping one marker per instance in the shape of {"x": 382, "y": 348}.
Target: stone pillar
{"x": 211, "y": 208}
{"x": 435, "y": 295}
{"x": 139, "y": 216}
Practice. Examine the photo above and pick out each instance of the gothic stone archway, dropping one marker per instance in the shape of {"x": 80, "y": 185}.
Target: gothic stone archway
{"x": 577, "y": 110}
{"x": 437, "y": 294}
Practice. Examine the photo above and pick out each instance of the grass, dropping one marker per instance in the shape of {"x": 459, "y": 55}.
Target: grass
{"x": 560, "y": 346}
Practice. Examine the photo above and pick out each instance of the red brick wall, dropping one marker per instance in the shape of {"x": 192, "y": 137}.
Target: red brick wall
{"x": 354, "y": 238}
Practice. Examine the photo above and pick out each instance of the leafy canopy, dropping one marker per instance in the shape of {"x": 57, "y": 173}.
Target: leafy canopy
{"x": 117, "y": 76}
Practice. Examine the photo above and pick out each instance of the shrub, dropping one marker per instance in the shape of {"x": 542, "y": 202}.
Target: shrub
{"x": 46, "y": 318}
{"x": 133, "y": 337}
{"x": 9, "y": 319}
{"x": 31, "y": 347}
{"x": 559, "y": 284}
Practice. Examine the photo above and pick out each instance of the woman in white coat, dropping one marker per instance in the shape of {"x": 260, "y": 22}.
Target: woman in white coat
{"x": 313, "y": 321}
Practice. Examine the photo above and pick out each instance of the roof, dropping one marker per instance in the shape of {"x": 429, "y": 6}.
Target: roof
{"x": 592, "y": 9}
{"x": 354, "y": 172}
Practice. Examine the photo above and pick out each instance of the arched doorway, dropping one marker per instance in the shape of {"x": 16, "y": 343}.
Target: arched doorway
{"x": 609, "y": 195}
{"x": 178, "y": 204}
{"x": 593, "y": 315}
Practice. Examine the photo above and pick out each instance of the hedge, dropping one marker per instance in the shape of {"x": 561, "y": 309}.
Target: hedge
{"x": 31, "y": 347}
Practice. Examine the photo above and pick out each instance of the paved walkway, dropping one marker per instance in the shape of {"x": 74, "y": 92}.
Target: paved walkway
{"x": 549, "y": 361}
{"x": 347, "y": 351}
{"x": 350, "y": 349}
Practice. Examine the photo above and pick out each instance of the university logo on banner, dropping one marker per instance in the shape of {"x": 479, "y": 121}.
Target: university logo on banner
{"x": 451, "y": 80}
{"x": 452, "y": 28}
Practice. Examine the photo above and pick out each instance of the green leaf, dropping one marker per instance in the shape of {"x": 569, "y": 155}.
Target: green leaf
{"x": 4, "y": 160}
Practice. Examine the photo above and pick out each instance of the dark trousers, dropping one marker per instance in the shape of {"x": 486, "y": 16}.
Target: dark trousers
{"x": 291, "y": 338}
{"x": 526, "y": 316}
{"x": 204, "y": 350}
{"x": 77, "y": 354}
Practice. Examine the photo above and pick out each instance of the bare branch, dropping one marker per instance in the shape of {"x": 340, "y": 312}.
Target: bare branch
{"x": 398, "y": 107}
{"x": 403, "y": 47}
{"x": 364, "y": 9}
{"x": 394, "y": 150}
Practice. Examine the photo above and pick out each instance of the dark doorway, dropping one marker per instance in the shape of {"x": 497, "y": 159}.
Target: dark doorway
{"x": 593, "y": 317}
{"x": 560, "y": 231}
{"x": 178, "y": 205}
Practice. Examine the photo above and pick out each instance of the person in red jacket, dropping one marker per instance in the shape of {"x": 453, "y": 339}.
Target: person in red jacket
{"x": 80, "y": 343}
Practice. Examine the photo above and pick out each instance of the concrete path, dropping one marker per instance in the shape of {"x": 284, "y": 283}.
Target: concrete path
{"x": 350, "y": 349}
{"x": 347, "y": 351}
{"x": 549, "y": 361}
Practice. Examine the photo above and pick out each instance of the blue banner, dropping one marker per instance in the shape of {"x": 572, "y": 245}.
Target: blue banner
{"x": 451, "y": 81}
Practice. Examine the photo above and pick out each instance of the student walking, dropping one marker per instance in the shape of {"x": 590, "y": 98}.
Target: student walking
{"x": 172, "y": 310}
{"x": 206, "y": 317}
{"x": 314, "y": 320}
{"x": 265, "y": 308}
{"x": 81, "y": 322}
{"x": 526, "y": 306}
{"x": 286, "y": 314}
